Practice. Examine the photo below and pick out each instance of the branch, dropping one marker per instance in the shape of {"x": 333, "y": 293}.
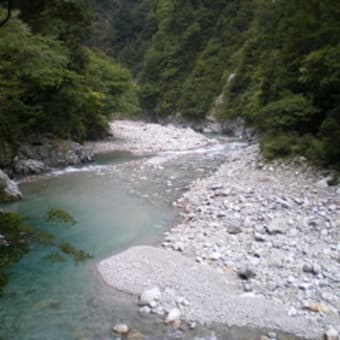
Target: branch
{"x": 9, "y": 12}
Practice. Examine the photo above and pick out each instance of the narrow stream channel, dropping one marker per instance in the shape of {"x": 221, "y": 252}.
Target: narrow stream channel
{"x": 119, "y": 201}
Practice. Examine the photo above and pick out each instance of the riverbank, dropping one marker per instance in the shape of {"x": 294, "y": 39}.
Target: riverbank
{"x": 274, "y": 226}
{"x": 141, "y": 138}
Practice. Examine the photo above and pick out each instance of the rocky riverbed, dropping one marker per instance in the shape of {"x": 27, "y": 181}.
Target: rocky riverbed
{"x": 275, "y": 226}
{"x": 38, "y": 156}
{"x": 140, "y": 137}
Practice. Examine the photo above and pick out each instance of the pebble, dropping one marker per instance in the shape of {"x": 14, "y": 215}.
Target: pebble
{"x": 277, "y": 226}
{"x": 145, "y": 309}
{"x": 259, "y": 237}
{"x": 331, "y": 334}
{"x": 149, "y": 296}
{"x": 134, "y": 334}
{"x": 307, "y": 268}
{"x": 271, "y": 335}
{"x": 234, "y": 230}
{"x": 246, "y": 274}
{"x": 215, "y": 256}
{"x": 192, "y": 324}
{"x": 287, "y": 222}
{"x": 316, "y": 307}
{"x": 121, "y": 328}
{"x": 173, "y": 315}
{"x": 287, "y": 230}
{"x": 247, "y": 287}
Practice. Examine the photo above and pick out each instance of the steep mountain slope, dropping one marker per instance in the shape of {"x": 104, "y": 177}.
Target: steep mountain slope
{"x": 276, "y": 63}
{"x": 51, "y": 83}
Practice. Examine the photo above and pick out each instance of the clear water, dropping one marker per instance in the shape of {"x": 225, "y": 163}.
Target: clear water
{"x": 47, "y": 300}
{"x": 119, "y": 201}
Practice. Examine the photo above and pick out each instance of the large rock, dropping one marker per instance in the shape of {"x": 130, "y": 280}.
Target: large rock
{"x": 54, "y": 152}
{"x": 9, "y": 190}
{"x": 29, "y": 166}
{"x": 237, "y": 128}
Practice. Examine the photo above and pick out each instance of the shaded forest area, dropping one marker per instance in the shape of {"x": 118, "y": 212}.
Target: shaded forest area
{"x": 51, "y": 82}
{"x": 274, "y": 62}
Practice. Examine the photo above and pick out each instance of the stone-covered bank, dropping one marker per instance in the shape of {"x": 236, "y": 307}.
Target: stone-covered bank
{"x": 274, "y": 225}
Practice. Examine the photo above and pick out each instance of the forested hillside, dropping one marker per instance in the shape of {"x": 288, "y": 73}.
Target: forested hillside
{"x": 275, "y": 63}
{"x": 50, "y": 82}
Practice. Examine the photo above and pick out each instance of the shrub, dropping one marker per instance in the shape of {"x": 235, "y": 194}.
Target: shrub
{"x": 291, "y": 113}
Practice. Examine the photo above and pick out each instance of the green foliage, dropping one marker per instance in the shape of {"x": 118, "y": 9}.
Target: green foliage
{"x": 287, "y": 79}
{"x": 56, "y": 256}
{"x": 291, "y": 113}
{"x": 50, "y": 83}
{"x": 16, "y": 238}
{"x": 59, "y": 215}
{"x": 288, "y": 144}
{"x": 284, "y": 56}
{"x": 330, "y": 138}
{"x": 320, "y": 74}
{"x": 78, "y": 255}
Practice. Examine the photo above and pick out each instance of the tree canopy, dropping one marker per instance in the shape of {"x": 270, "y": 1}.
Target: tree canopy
{"x": 275, "y": 63}
{"x": 50, "y": 81}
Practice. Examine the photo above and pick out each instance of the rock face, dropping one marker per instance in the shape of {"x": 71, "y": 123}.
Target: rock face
{"x": 237, "y": 127}
{"x": 52, "y": 153}
{"x": 39, "y": 155}
{"x": 29, "y": 166}
{"x": 9, "y": 190}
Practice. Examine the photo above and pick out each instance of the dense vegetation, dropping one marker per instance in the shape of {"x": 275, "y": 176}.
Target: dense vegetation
{"x": 274, "y": 62}
{"x": 50, "y": 82}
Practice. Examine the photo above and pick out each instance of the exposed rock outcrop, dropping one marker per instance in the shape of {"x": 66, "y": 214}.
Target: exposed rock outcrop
{"x": 39, "y": 154}
{"x": 9, "y": 190}
{"x": 53, "y": 153}
{"x": 29, "y": 166}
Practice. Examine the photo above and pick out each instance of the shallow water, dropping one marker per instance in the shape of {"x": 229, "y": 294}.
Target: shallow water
{"x": 119, "y": 201}
{"x": 46, "y": 300}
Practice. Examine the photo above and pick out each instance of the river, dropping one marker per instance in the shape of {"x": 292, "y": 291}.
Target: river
{"x": 119, "y": 201}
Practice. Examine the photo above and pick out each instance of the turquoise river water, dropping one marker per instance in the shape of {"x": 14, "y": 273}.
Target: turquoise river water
{"x": 118, "y": 202}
